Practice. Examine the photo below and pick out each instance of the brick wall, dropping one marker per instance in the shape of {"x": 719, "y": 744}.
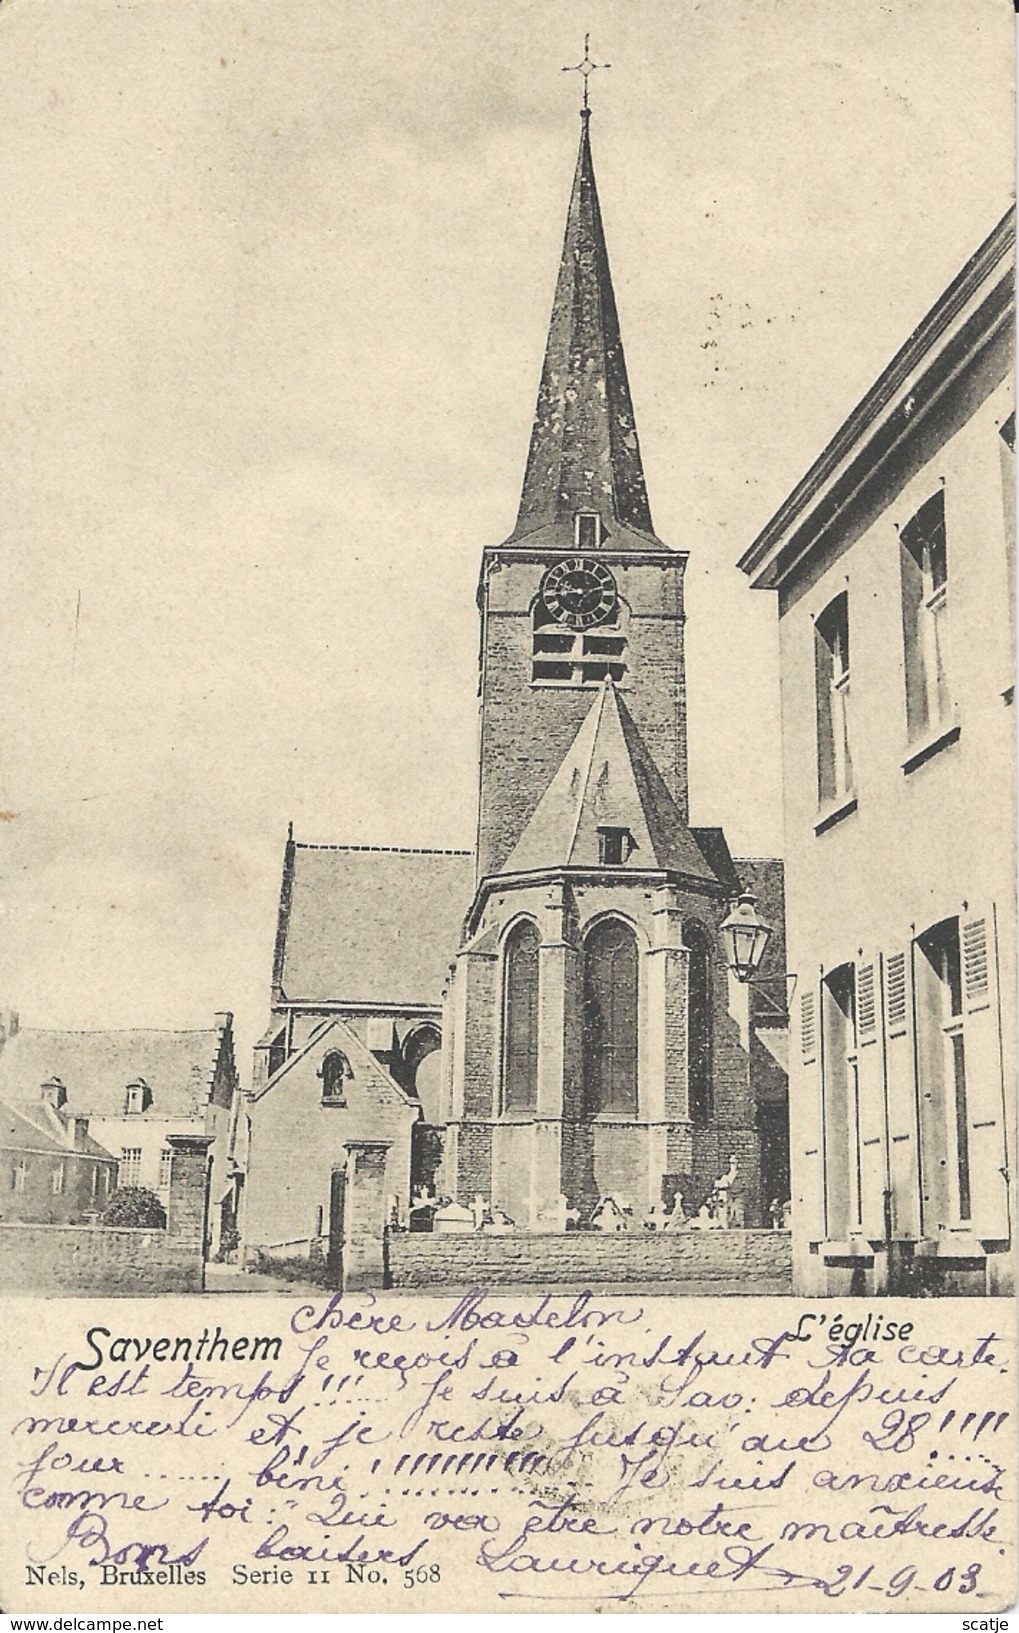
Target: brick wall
{"x": 761, "y": 1258}
{"x": 97, "y": 1259}
{"x": 364, "y": 1214}
{"x": 526, "y": 731}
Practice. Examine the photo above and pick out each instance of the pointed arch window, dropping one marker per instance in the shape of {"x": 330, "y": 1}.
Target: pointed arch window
{"x": 520, "y": 1019}
{"x": 334, "y": 1072}
{"x": 698, "y": 978}
{"x": 610, "y": 1019}
{"x": 421, "y": 1069}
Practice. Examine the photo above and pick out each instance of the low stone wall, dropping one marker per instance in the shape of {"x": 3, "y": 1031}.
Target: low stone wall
{"x": 97, "y": 1259}
{"x": 119, "y": 1259}
{"x": 760, "y": 1258}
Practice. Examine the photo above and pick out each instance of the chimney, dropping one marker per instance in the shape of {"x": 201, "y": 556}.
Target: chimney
{"x": 10, "y": 1021}
{"x": 54, "y": 1093}
{"x": 76, "y": 1131}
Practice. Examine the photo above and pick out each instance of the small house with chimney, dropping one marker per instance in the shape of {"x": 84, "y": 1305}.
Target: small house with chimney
{"x": 134, "y": 1089}
{"x": 52, "y": 1172}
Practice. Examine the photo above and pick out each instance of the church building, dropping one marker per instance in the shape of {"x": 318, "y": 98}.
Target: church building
{"x": 592, "y": 1041}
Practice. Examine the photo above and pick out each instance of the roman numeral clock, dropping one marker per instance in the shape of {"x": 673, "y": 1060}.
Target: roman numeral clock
{"x": 579, "y": 593}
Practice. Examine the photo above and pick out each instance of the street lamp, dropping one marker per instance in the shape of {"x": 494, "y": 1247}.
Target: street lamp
{"x": 744, "y": 937}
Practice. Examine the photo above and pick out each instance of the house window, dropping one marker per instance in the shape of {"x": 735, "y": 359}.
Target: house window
{"x": 19, "y": 1175}
{"x": 831, "y": 681}
{"x": 924, "y": 562}
{"x": 57, "y": 1179}
{"x": 130, "y": 1164}
{"x": 843, "y": 1156}
{"x": 334, "y": 1072}
{"x": 568, "y": 657}
{"x": 610, "y": 1019}
{"x": 698, "y": 969}
{"x": 587, "y": 530}
{"x": 942, "y": 1058}
{"x": 520, "y": 1019}
{"x": 615, "y": 846}
{"x": 165, "y": 1164}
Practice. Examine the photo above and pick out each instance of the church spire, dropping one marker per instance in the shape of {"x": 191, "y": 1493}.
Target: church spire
{"x": 584, "y": 454}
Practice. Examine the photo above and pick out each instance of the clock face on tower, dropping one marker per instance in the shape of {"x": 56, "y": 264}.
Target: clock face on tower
{"x": 579, "y": 593}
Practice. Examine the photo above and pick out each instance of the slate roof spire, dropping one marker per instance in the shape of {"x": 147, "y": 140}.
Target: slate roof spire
{"x": 584, "y": 453}
{"x": 608, "y": 781}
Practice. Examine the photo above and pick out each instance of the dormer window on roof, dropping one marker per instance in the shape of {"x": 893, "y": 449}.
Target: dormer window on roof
{"x": 615, "y": 846}
{"x": 587, "y": 529}
{"x": 54, "y": 1093}
{"x": 138, "y": 1097}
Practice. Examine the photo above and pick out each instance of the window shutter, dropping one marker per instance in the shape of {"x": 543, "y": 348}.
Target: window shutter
{"x": 807, "y": 1129}
{"x": 985, "y": 1088}
{"x": 900, "y": 1077}
{"x": 871, "y": 1090}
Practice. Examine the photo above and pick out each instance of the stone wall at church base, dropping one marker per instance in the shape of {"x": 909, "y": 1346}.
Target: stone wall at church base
{"x": 98, "y": 1259}
{"x": 761, "y": 1258}
{"x": 598, "y": 1158}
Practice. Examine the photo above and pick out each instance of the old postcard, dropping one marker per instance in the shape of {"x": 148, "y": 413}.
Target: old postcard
{"x": 507, "y": 1051}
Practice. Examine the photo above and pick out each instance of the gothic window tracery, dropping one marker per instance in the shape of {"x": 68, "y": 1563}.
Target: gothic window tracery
{"x": 610, "y": 1019}
{"x": 334, "y": 1072}
{"x": 520, "y": 1019}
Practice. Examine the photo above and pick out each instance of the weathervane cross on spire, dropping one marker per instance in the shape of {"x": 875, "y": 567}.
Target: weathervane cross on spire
{"x": 587, "y": 68}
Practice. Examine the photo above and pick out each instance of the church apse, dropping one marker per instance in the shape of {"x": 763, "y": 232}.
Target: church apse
{"x": 596, "y": 1046}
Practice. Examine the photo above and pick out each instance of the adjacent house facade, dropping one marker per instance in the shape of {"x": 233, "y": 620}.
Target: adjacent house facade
{"x": 893, "y": 563}
{"x": 52, "y": 1172}
{"x": 136, "y": 1088}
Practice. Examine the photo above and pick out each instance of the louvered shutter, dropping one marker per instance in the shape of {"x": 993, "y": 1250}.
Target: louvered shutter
{"x": 871, "y": 1095}
{"x": 807, "y": 1129}
{"x": 900, "y": 1076}
{"x": 985, "y": 1088}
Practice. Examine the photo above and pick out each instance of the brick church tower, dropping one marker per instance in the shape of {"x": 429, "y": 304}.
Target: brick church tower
{"x": 594, "y": 1043}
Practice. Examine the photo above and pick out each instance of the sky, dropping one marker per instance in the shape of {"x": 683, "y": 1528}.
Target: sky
{"x": 278, "y": 282}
